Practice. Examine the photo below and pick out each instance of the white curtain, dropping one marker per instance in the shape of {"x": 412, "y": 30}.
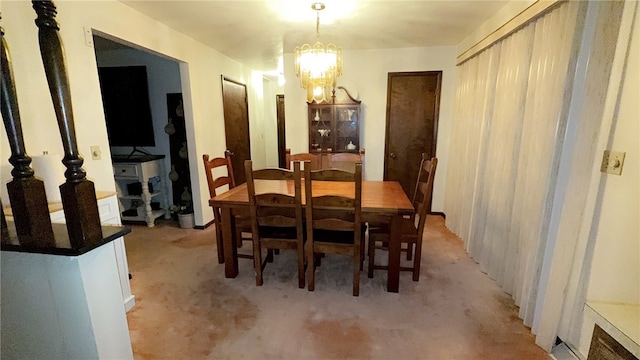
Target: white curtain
{"x": 510, "y": 120}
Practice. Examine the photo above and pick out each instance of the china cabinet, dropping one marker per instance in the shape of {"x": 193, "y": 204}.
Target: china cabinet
{"x": 334, "y": 125}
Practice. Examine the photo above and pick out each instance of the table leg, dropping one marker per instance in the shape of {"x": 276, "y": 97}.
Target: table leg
{"x": 230, "y": 248}
{"x": 393, "y": 273}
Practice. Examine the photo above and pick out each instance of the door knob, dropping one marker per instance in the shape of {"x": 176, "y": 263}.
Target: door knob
{"x": 393, "y": 155}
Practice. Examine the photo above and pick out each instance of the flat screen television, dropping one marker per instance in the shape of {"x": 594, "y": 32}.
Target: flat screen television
{"x": 125, "y": 98}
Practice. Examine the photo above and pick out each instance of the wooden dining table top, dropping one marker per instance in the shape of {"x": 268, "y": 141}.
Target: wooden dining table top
{"x": 385, "y": 197}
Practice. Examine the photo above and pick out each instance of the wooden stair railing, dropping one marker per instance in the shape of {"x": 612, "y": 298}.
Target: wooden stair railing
{"x": 77, "y": 193}
{"x": 26, "y": 193}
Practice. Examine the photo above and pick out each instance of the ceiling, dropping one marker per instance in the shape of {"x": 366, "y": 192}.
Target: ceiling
{"x": 257, "y": 32}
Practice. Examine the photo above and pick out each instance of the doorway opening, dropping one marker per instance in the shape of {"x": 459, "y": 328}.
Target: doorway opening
{"x": 142, "y": 100}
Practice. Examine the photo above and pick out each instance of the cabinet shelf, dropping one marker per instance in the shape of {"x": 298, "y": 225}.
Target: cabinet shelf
{"x": 154, "y": 215}
{"x": 137, "y": 197}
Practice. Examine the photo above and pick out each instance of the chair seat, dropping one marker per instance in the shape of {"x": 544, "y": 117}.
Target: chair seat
{"x": 278, "y": 232}
{"x": 383, "y": 231}
{"x": 333, "y": 236}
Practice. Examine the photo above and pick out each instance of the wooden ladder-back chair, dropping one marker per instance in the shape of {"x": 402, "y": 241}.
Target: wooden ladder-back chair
{"x": 410, "y": 232}
{"x": 333, "y": 218}
{"x": 314, "y": 160}
{"x": 345, "y": 161}
{"x": 276, "y": 216}
{"x": 243, "y": 225}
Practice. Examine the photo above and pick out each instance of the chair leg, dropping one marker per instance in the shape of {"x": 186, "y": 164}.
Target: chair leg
{"x": 417, "y": 260}
{"x": 239, "y": 237}
{"x": 311, "y": 268}
{"x": 372, "y": 255}
{"x": 356, "y": 271}
{"x": 300, "y": 251}
{"x": 219, "y": 244}
{"x": 257, "y": 261}
{"x": 270, "y": 255}
{"x": 362, "y": 246}
{"x": 409, "y": 251}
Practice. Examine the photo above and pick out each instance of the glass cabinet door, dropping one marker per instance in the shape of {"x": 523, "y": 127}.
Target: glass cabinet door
{"x": 347, "y": 138}
{"x": 320, "y": 128}
{"x": 334, "y": 126}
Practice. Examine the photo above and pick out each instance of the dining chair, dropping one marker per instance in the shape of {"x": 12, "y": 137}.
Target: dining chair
{"x": 313, "y": 159}
{"x": 333, "y": 221}
{"x": 410, "y": 232}
{"x": 219, "y": 173}
{"x": 345, "y": 161}
{"x": 276, "y": 218}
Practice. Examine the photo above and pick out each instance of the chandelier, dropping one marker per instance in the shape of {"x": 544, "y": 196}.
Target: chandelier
{"x": 318, "y": 66}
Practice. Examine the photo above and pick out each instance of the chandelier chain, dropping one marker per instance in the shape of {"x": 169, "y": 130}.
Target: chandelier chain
{"x": 317, "y": 25}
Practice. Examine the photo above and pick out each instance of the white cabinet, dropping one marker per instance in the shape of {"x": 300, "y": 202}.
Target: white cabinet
{"x": 139, "y": 198}
{"x": 109, "y": 215}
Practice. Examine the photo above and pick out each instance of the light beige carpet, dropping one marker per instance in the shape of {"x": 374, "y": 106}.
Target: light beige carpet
{"x": 186, "y": 308}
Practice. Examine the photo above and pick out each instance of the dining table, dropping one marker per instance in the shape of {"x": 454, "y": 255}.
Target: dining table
{"x": 381, "y": 201}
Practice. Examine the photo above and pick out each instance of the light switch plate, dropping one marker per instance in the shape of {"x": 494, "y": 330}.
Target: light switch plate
{"x": 612, "y": 162}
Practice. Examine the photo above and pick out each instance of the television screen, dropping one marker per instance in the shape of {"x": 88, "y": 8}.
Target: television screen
{"x": 125, "y": 98}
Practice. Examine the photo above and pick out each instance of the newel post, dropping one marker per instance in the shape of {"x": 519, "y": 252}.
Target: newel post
{"x": 77, "y": 193}
{"x": 26, "y": 193}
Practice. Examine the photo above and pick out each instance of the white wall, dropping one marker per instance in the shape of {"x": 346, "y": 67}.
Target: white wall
{"x": 614, "y": 275}
{"x": 615, "y": 269}
{"x": 365, "y": 76}
{"x": 200, "y": 67}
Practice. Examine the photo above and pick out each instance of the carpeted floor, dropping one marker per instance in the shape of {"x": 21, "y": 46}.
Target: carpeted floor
{"x": 186, "y": 309}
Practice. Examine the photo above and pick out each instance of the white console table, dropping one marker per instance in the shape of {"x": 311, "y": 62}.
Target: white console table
{"x": 129, "y": 170}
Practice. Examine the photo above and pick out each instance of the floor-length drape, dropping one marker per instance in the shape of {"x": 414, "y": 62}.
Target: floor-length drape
{"x": 510, "y": 120}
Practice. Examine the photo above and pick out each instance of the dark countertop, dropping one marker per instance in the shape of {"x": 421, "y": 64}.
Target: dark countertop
{"x": 63, "y": 247}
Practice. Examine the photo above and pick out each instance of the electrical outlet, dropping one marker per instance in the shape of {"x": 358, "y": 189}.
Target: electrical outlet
{"x": 96, "y": 154}
{"x": 612, "y": 162}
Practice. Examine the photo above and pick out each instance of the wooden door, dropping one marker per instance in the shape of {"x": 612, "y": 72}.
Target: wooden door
{"x": 413, "y": 100}
{"x": 282, "y": 146}
{"x": 236, "y": 125}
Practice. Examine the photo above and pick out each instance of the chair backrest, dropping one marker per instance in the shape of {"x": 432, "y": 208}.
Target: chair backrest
{"x": 424, "y": 189}
{"x": 313, "y": 159}
{"x": 273, "y": 209}
{"x": 339, "y": 211}
{"x": 215, "y": 183}
{"x": 345, "y": 161}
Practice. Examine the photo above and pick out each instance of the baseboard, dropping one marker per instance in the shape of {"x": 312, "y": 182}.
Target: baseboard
{"x": 563, "y": 352}
{"x": 202, "y": 227}
{"x": 129, "y": 303}
{"x": 439, "y": 213}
